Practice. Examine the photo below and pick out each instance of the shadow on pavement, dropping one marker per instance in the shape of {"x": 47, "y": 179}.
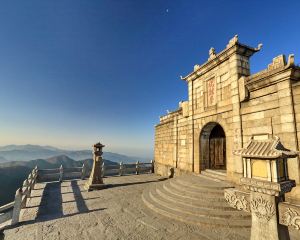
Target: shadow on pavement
{"x": 51, "y": 205}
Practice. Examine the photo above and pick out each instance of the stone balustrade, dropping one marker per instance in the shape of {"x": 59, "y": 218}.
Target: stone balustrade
{"x": 11, "y": 212}
{"x": 127, "y": 168}
{"x": 22, "y": 194}
{"x": 61, "y": 173}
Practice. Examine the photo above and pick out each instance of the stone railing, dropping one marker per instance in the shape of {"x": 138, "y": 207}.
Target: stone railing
{"x": 10, "y": 213}
{"x": 127, "y": 168}
{"x": 61, "y": 173}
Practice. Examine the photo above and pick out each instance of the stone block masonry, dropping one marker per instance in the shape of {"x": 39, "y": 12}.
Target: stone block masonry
{"x": 226, "y": 106}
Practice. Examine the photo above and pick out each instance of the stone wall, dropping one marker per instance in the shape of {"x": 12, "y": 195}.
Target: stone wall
{"x": 222, "y": 91}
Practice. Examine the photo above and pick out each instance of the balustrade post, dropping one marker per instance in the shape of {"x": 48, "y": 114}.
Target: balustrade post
{"x": 152, "y": 167}
{"x": 31, "y": 183}
{"x": 121, "y": 169}
{"x": 36, "y": 171}
{"x": 83, "y": 172}
{"x": 137, "y": 168}
{"x": 61, "y": 173}
{"x": 17, "y": 207}
{"x": 26, "y": 186}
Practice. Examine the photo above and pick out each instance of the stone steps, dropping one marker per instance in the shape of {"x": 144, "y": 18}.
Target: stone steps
{"x": 210, "y": 194}
{"x": 194, "y": 210}
{"x": 195, "y": 200}
{"x": 214, "y": 175}
{"x": 178, "y": 197}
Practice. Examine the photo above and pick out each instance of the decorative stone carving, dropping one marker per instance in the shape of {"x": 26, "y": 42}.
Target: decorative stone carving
{"x": 265, "y": 187}
{"x": 211, "y": 86}
{"x": 233, "y": 41}
{"x": 259, "y": 47}
{"x": 289, "y": 215}
{"x": 212, "y": 53}
{"x": 196, "y": 67}
{"x": 291, "y": 60}
{"x": 238, "y": 202}
{"x": 278, "y": 62}
{"x": 262, "y": 208}
{"x": 291, "y": 218}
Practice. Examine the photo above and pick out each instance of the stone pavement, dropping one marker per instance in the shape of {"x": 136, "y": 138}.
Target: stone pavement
{"x": 66, "y": 211}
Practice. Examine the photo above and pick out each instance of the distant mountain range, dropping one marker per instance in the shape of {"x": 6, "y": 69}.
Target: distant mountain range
{"x": 28, "y": 152}
{"x": 16, "y": 162}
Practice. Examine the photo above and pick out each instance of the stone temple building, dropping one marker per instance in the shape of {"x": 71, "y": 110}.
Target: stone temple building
{"x": 227, "y": 106}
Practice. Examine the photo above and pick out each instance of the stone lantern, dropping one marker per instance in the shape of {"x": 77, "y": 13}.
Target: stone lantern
{"x": 265, "y": 160}
{"x": 95, "y": 180}
{"x": 266, "y": 181}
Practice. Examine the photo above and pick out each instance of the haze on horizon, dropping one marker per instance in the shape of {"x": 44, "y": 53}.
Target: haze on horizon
{"x": 75, "y": 72}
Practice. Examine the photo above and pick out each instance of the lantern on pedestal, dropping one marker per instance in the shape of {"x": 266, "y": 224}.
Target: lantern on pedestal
{"x": 95, "y": 180}
{"x": 266, "y": 179}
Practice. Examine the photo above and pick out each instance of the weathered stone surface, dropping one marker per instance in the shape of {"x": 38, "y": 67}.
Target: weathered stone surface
{"x": 222, "y": 91}
{"x": 289, "y": 215}
{"x": 95, "y": 180}
{"x": 66, "y": 211}
{"x": 237, "y": 199}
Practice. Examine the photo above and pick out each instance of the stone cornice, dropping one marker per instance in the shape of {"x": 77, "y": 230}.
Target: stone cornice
{"x": 287, "y": 70}
{"x": 270, "y": 188}
{"x": 235, "y": 48}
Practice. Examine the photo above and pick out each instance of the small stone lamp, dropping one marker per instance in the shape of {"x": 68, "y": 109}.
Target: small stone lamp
{"x": 266, "y": 160}
{"x": 95, "y": 180}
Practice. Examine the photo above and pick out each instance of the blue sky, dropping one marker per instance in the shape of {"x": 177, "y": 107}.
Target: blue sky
{"x": 74, "y": 72}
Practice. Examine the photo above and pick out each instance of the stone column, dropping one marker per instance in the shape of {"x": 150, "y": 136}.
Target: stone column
{"x": 95, "y": 180}
{"x": 262, "y": 201}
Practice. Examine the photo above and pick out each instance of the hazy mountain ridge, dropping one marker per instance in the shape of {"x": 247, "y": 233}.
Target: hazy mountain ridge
{"x": 12, "y": 174}
{"x": 28, "y": 152}
{"x": 16, "y": 162}
{"x": 53, "y": 162}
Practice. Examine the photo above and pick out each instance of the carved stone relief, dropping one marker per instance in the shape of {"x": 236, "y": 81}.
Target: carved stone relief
{"x": 262, "y": 208}
{"x": 291, "y": 218}
{"x": 238, "y": 202}
{"x": 211, "y": 92}
{"x": 289, "y": 215}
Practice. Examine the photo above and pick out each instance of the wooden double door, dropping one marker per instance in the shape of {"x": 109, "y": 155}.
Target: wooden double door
{"x": 217, "y": 148}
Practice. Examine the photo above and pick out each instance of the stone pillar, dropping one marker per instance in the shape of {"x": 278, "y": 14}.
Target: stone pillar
{"x": 95, "y": 180}
{"x": 83, "y": 171}
{"x": 121, "y": 169}
{"x": 264, "y": 200}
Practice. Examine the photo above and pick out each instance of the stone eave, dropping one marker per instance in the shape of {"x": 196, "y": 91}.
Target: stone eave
{"x": 169, "y": 117}
{"x": 219, "y": 58}
{"x": 265, "y": 149}
{"x": 259, "y": 81}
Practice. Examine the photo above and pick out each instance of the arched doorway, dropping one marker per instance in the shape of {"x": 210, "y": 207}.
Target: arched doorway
{"x": 212, "y": 147}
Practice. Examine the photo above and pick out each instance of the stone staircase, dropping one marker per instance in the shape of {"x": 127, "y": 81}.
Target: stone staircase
{"x": 196, "y": 199}
{"x": 216, "y": 175}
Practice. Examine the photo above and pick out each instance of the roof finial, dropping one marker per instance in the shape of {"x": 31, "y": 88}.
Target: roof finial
{"x": 212, "y": 53}
{"x": 233, "y": 41}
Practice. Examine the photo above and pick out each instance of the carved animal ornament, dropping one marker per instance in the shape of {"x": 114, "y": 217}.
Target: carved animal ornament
{"x": 291, "y": 218}
{"x": 262, "y": 208}
{"x": 239, "y": 203}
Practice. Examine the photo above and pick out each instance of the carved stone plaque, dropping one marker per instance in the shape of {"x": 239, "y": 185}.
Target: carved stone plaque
{"x": 211, "y": 92}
